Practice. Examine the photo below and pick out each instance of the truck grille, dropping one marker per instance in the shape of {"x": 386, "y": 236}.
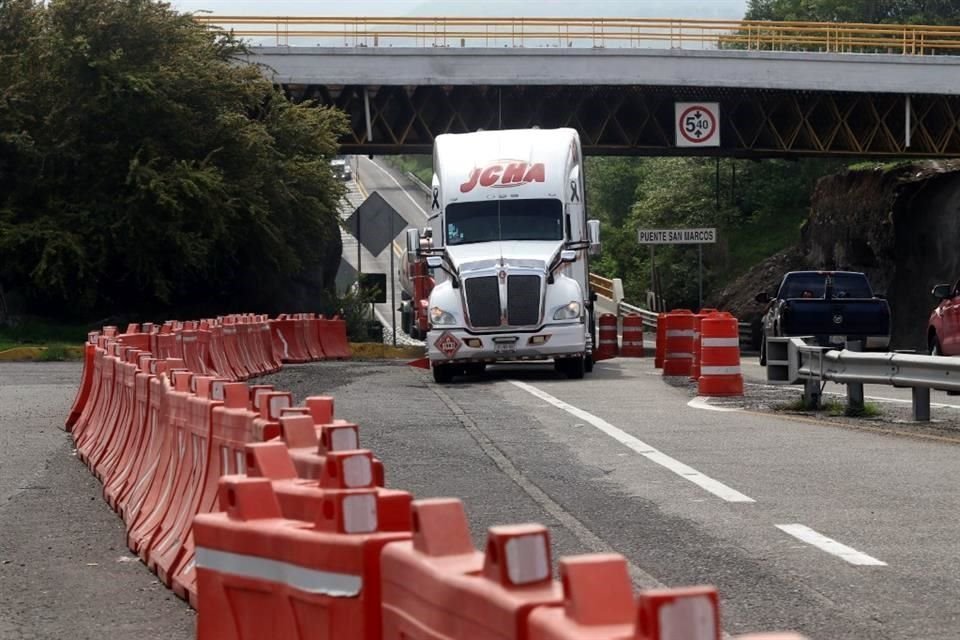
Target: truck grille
{"x": 483, "y": 301}
{"x": 523, "y": 300}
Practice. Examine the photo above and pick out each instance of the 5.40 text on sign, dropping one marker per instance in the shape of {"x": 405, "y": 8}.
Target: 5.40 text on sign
{"x": 697, "y": 124}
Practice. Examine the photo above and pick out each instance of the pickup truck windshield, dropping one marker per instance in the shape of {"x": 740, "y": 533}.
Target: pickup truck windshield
{"x": 530, "y": 219}
{"x": 813, "y": 285}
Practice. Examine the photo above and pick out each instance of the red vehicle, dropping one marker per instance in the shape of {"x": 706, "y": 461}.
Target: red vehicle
{"x": 943, "y": 328}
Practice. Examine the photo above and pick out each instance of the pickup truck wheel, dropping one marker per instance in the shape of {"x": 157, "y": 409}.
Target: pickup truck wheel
{"x": 935, "y": 346}
{"x": 763, "y": 351}
{"x": 442, "y": 373}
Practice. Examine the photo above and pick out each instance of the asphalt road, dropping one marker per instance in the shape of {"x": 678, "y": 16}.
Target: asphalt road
{"x": 65, "y": 571}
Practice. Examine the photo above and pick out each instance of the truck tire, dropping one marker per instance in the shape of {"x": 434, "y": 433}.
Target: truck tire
{"x": 474, "y": 368}
{"x": 442, "y": 373}
{"x": 573, "y": 368}
{"x": 588, "y": 363}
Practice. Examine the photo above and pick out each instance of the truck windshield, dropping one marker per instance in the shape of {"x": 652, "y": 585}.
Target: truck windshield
{"x": 813, "y": 285}
{"x": 530, "y": 219}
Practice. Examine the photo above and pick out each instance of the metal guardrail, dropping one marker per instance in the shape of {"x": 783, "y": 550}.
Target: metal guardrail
{"x": 792, "y": 360}
{"x": 834, "y": 37}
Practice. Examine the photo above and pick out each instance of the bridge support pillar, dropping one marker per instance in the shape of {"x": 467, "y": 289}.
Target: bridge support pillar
{"x": 921, "y": 404}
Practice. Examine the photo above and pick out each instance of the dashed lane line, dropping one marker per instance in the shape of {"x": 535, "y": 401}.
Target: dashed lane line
{"x": 831, "y": 546}
{"x": 686, "y": 472}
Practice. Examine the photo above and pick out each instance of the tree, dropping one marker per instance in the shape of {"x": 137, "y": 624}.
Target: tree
{"x": 143, "y": 168}
{"x": 943, "y": 12}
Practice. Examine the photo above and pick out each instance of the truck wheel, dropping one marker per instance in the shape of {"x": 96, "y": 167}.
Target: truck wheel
{"x": 763, "y": 351}
{"x": 588, "y": 363}
{"x": 442, "y": 373}
{"x": 573, "y": 368}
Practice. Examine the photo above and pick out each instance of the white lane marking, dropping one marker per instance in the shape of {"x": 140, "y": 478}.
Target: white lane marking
{"x": 700, "y": 402}
{"x": 715, "y": 487}
{"x": 400, "y": 186}
{"x": 822, "y": 542}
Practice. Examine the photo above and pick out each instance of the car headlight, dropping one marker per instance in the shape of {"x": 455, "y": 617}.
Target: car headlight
{"x": 439, "y": 317}
{"x": 569, "y": 311}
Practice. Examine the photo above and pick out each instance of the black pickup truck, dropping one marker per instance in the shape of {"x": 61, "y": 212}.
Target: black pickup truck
{"x": 833, "y": 307}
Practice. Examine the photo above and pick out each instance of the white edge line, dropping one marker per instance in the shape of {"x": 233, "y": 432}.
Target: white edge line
{"x": 401, "y": 187}
{"x": 715, "y": 487}
{"x": 701, "y": 402}
{"x": 831, "y": 546}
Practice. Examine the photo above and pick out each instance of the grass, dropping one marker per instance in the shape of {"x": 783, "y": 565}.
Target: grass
{"x": 419, "y": 165}
{"x": 834, "y": 408}
{"x": 753, "y": 242}
{"x": 37, "y": 339}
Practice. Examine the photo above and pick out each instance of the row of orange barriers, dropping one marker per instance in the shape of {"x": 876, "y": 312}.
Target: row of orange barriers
{"x": 608, "y": 344}
{"x": 159, "y": 418}
{"x": 274, "y": 523}
{"x": 704, "y": 346}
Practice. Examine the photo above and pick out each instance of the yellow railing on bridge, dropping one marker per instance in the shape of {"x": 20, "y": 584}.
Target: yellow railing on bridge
{"x": 593, "y": 32}
{"x": 603, "y": 286}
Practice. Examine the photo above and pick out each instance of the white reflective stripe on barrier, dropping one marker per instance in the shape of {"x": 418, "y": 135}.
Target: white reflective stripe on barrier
{"x": 687, "y": 619}
{"x": 276, "y": 404}
{"x": 357, "y": 472}
{"x": 286, "y": 347}
{"x": 720, "y": 342}
{"x": 527, "y": 559}
{"x": 720, "y": 371}
{"x": 341, "y": 585}
{"x": 360, "y": 514}
{"x": 680, "y": 333}
{"x": 344, "y": 439}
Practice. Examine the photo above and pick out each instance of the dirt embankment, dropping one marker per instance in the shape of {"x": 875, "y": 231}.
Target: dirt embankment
{"x": 899, "y": 225}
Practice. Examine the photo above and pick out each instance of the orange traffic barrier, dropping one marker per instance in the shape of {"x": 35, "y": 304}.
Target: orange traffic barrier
{"x": 720, "y": 373}
{"x": 295, "y": 581}
{"x": 312, "y": 334}
{"x": 597, "y": 602}
{"x": 691, "y": 613}
{"x": 661, "y": 346}
{"x": 86, "y": 384}
{"x": 678, "y": 353}
{"x": 119, "y": 482}
{"x": 195, "y": 344}
{"x": 632, "y": 337}
{"x": 333, "y": 338}
{"x": 607, "y": 345}
{"x": 695, "y": 364}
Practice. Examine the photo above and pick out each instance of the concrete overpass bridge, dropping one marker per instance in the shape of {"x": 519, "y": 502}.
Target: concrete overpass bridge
{"x": 782, "y": 89}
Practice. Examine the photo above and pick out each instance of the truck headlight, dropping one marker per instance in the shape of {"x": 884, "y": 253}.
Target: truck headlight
{"x": 439, "y": 317}
{"x": 569, "y": 311}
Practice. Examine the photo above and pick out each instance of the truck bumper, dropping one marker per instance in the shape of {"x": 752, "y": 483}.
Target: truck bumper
{"x": 446, "y": 346}
{"x": 868, "y": 343}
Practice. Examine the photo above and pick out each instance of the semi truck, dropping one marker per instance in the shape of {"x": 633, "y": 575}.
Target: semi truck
{"x": 507, "y": 248}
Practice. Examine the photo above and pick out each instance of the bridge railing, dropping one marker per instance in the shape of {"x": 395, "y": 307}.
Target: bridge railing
{"x": 592, "y": 32}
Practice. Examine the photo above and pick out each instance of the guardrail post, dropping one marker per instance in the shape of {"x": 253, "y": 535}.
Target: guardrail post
{"x": 921, "y": 404}
{"x": 617, "y": 291}
{"x": 811, "y": 393}
{"x": 855, "y": 389}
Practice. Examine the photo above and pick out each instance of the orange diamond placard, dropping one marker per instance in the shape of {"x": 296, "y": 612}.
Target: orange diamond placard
{"x": 448, "y": 344}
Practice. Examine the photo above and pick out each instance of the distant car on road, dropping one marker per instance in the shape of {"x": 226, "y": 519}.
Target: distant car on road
{"x": 341, "y": 168}
{"x": 943, "y": 327}
{"x": 833, "y": 307}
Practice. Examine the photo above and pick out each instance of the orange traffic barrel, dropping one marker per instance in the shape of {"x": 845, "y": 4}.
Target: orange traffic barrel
{"x": 695, "y": 366}
{"x": 661, "y": 346}
{"x": 720, "y": 356}
{"x": 607, "y": 346}
{"x": 679, "y": 343}
{"x": 632, "y": 336}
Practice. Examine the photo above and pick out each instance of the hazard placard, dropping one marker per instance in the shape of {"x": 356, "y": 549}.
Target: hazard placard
{"x": 697, "y": 124}
{"x": 448, "y": 344}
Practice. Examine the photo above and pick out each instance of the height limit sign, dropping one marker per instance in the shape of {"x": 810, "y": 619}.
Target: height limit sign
{"x": 697, "y": 124}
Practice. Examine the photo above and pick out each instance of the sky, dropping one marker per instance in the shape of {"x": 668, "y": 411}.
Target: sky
{"x": 720, "y": 9}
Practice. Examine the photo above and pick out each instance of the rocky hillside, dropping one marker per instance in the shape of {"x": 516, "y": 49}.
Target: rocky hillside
{"x": 900, "y": 225}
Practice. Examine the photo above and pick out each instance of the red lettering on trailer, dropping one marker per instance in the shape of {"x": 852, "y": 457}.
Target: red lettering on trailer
{"x": 494, "y": 175}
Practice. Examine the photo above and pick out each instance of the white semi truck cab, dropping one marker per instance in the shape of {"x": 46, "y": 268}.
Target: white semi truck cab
{"x": 509, "y": 246}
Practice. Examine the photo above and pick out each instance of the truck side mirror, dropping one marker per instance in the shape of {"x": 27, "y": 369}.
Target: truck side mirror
{"x": 435, "y": 262}
{"x": 763, "y": 297}
{"x": 941, "y": 291}
{"x": 593, "y": 234}
{"x": 568, "y": 255}
{"x": 413, "y": 244}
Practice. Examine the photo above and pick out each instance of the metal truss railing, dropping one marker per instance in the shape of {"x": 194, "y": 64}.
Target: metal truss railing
{"x": 593, "y": 32}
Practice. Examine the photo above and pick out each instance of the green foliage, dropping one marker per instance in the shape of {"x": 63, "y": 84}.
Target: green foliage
{"x": 54, "y": 353}
{"x": 943, "y": 12}
{"x": 419, "y": 165}
{"x": 142, "y": 168}
{"x": 760, "y": 208}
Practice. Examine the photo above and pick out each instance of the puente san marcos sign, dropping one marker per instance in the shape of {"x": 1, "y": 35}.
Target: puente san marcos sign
{"x": 697, "y": 124}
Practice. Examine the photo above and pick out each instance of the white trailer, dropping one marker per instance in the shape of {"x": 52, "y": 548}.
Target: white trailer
{"x": 509, "y": 251}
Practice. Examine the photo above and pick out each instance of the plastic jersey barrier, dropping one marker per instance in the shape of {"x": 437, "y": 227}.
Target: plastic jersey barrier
{"x": 83, "y": 392}
{"x": 333, "y": 338}
{"x": 116, "y": 484}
